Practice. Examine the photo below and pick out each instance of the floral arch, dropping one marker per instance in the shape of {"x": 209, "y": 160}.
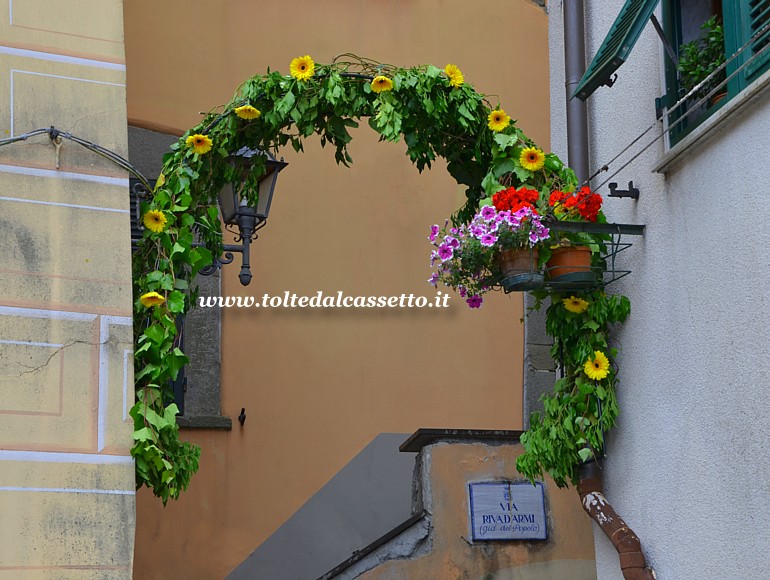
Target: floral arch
{"x": 438, "y": 115}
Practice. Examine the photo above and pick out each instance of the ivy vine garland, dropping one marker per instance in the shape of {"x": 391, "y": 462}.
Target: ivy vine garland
{"x": 438, "y": 115}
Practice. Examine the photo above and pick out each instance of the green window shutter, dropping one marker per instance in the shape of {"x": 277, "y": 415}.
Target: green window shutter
{"x": 617, "y": 45}
{"x": 758, "y": 18}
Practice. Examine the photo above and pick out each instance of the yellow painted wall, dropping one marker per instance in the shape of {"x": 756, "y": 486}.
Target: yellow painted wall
{"x": 66, "y": 476}
{"x": 317, "y": 386}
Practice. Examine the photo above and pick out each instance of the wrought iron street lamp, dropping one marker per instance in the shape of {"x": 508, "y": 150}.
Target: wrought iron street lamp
{"x": 248, "y": 165}
{"x": 251, "y": 170}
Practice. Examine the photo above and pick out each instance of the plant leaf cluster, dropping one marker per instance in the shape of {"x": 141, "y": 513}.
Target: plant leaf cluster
{"x": 580, "y": 410}
{"x": 699, "y": 58}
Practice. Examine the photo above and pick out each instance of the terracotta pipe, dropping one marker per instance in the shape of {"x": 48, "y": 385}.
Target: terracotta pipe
{"x": 629, "y": 548}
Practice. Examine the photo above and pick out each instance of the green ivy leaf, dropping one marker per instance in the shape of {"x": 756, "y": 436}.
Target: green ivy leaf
{"x": 523, "y": 174}
{"x": 176, "y": 302}
{"x": 285, "y": 104}
{"x": 144, "y": 434}
{"x": 504, "y": 141}
{"x": 585, "y": 454}
{"x": 491, "y": 185}
{"x": 155, "y": 420}
{"x": 503, "y": 166}
{"x": 156, "y": 333}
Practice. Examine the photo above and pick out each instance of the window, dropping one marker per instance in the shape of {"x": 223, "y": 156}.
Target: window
{"x": 697, "y": 29}
{"x": 197, "y": 388}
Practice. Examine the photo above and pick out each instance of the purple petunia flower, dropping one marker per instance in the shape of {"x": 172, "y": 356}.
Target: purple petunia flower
{"x": 433, "y": 258}
{"x": 533, "y": 239}
{"x": 453, "y": 242}
{"x": 474, "y": 301}
{"x": 522, "y": 213}
{"x": 433, "y": 280}
{"x": 476, "y": 231}
{"x": 462, "y": 291}
{"x": 488, "y": 240}
{"x": 445, "y": 252}
{"x": 488, "y": 212}
{"x": 433, "y": 233}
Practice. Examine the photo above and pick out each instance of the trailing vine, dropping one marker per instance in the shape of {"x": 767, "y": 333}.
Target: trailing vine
{"x": 582, "y": 406}
{"x": 436, "y": 113}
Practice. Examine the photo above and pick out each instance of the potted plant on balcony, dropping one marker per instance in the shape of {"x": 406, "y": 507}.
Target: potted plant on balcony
{"x": 498, "y": 246}
{"x": 698, "y": 59}
{"x": 575, "y": 254}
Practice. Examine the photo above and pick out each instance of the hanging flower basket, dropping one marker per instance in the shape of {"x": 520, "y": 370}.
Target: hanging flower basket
{"x": 519, "y": 270}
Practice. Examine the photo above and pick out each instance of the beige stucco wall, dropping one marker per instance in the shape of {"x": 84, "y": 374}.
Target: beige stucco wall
{"x": 448, "y": 470}
{"x": 317, "y": 386}
{"x": 66, "y": 476}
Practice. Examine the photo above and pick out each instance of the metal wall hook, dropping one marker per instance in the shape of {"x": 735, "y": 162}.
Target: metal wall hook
{"x": 632, "y": 192}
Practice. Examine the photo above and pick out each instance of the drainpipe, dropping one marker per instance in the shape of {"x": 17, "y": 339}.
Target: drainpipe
{"x": 574, "y": 67}
{"x": 629, "y": 548}
{"x": 632, "y": 562}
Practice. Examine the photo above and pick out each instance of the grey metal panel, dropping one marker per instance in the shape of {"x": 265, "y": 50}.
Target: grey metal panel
{"x": 369, "y": 496}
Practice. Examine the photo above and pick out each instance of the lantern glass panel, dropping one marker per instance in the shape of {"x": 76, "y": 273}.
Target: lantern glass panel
{"x": 230, "y": 197}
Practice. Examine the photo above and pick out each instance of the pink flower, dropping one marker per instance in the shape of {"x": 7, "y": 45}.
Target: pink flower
{"x": 453, "y": 242}
{"x": 474, "y": 301}
{"x": 488, "y": 240}
{"x": 445, "y": 252}
{"x": 488, "y": 212}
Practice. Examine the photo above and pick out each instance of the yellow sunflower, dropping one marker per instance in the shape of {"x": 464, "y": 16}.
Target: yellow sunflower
{"x": 598, "y": 368}
{"x": 456, "y": 78}
{"x": 199, "y": 143}
{"x": 532, "y": 159}
{"x": 302, "y": 68}
{"x": 151, "y": 299}
{"x": 154, "y": 220}
{"x": 381, "y": 83}
{"x": 575, "y": 304}
{"x": 248, "y": 112}
{"x": 498, "y": 120}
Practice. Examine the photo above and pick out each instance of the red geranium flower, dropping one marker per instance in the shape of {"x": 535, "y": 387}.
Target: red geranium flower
{"x": 582, "y": 202}
{"x": 571, "y": 202}
{"x": 556, "y": 197}
{"x": 513, "y": 199}
{"x": 502, "y": 200}
{"x": 589, "y": 207}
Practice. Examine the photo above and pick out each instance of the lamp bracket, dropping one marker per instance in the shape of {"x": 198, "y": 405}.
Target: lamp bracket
{"x": 246, "y": 234}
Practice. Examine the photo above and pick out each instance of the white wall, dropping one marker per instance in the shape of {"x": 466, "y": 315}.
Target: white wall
{"x": 688, "y": 465}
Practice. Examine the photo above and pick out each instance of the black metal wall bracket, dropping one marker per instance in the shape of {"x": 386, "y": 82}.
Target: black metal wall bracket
{"x": 632, "y": 192}
{"x": 610, "y": 80}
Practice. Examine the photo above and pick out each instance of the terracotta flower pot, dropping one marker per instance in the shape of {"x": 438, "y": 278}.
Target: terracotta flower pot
{"x": 570, "y": 265}
{"x": 519, "y": 269}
